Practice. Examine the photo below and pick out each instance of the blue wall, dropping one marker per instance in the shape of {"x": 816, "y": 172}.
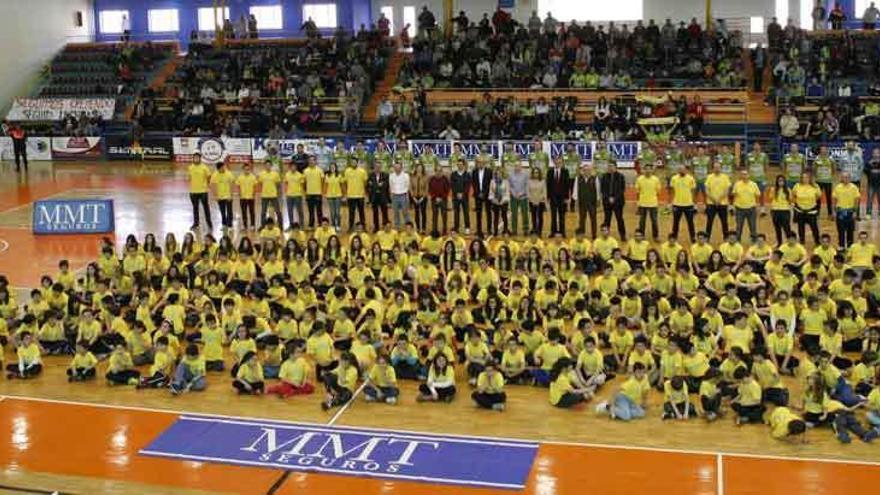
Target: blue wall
{"x": 350, "y": 15}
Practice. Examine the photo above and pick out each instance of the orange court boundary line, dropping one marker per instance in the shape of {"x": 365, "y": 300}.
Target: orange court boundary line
{"x": 717, "y": 453}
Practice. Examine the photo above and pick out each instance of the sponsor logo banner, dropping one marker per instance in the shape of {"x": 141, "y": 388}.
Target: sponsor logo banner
{"x": 38, "y": 149}
{"x": 76, "y": 148}
{"x": 468, "y": 461}
{"x": 213, "y": 150}
{"x": 73, "y": 216}
{"x": 44, "y": 109}
{"x": 122, "y": 148}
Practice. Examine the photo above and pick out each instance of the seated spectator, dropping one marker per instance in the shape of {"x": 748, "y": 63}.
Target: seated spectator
{"x": 789, "y": 125}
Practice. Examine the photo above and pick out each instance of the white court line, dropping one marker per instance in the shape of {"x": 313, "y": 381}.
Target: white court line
{"x": 719, "y": 474}
{"x": 4, "y": 245}
{"x": 454, "y": 435}
{"x": 347, "y": 404}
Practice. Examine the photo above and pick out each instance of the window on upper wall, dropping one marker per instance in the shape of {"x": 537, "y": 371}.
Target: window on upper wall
{"x": 112, "y": 21}
{"x": 566, "y": 10}
{"x": 860, "y": 7}
{"x": 806, "y": 14}
{"x": 409, "y": 17}
{"x": 206, "y": 18}
{"x": 268, "y": 16}
{"x": 756, "y": 24}
{"x": 389, "y": 14}
{"x": 324, "y": 14}
{"x": 163, "y": 21}
{"x": 781, "y": 12}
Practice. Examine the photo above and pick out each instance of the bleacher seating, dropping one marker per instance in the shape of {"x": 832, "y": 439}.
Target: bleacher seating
{"x": 253, "y": 87}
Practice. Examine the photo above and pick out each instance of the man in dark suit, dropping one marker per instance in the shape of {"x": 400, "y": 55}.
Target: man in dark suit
{"x": 481, "y": 180}
{"x": 557, "y": 194}
{"x": 613, "y": 187}
{"x": 587, "y": 190}
{"x": 379, "y": 194}
{"x": 460, "y": 183}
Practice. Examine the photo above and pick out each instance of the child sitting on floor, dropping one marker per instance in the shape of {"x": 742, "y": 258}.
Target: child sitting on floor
{"x": 82, "y": 366}
{"x": 249, "y": 377}
{"x": 190, "y": 373}
{"x": 382, "y": 382}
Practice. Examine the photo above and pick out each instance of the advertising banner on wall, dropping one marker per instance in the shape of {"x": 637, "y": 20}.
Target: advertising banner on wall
{"x": 73, "y": 216}
{"x": 52, "y": 109}
{"x": 213, "y": 150}
{"x": 76, "y": 148}
{"x": 148, "y": 148}
{"x": 38, "y": 149}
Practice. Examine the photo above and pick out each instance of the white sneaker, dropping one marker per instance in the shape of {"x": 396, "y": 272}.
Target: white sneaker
{"x": 498, "y": 407}
{"x": 467, "y": 231}
{"x": 391, "y": 400}
{"x": 369, "y": 398}
{"x": 472, "y": 382}
{"x": 602, "y": 407}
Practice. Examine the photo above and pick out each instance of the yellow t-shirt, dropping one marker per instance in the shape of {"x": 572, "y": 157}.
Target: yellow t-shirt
{"x": 682, "y": 189}
{"x": 779, "y": 421}
{"x": 718, "y": 187}
{"x": 846, "y": 196}
{"x": 749, "y": 393}
{"x": 314, "y": 179}
{"x": 649, "y": 190}
{"x": 334, "y": 186}
{"x": 635, "y": 389}
{"x": 223, "y": 182}
{"x": 383, "y": 377}
{"x": 199, "y": 173}
{"x": 494, "y": 385}
{"x": 246, "y": 184}
{"x": 806, "y": 196}
{"x": 293, "y": 182}
{"x": 294, "y": 372}
{"x": 355, "y": 182}
{"x": 560, "y": 387}
{"x": 745, "y": 194}
{"x": 269, "y": 180}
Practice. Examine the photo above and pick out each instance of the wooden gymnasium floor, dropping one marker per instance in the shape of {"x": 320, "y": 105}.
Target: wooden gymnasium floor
{"x": 85, "y": 438}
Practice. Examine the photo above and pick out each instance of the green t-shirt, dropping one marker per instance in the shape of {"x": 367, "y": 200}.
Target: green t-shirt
{"x": 757, "y": 163}
{"x": 823, "y": 168}
{"x": 700, "y": 165}
{"x": 794, "y": 166}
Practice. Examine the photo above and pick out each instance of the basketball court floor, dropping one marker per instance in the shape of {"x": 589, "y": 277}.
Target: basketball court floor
{"x": 91, "y": 438}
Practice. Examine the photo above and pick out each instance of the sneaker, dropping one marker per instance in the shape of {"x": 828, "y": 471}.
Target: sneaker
{"x": 370, "y": 398}
{"x": 711, "y": 416}
{"x": 472, "y": 382}
{"x": 870, "y": 436}
{"x": 498, "y": 407}
{"x": 467, "y": 231}
{"x": 739, "y": 420}
{"x": 602, "y": 407}
{"x": 391, "y": 400}
{"x": 325, "y": 406}
{"x": 174, "y": 390}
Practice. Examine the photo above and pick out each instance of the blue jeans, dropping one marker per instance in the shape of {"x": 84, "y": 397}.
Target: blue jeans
{"x": 844, "y": 393}
{"x": 270, "y": 371}
{"x": 335, "y": 205}
{"x": 183, "y": 377}
{"x": 295, "y": 204}
{"x": 400, "y": 209}
{"x": 874, "y": 418}
{"x": 625, "y": 409}
{"x": 372, "y": 391}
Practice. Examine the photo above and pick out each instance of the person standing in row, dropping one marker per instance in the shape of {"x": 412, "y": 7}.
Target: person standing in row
{"x": 872, "y": 176}
{"x": 438, "y": 192}
{"x": 745, "y": 203}
{"x": 700, "y": 165}
{"x": 557, "y": 195}
{"x": 460, "y": 183}
{"x": 717, "y": 199}
{"x": 780, "y": 209}
{"x": 613, "y": 188}
{"x": 19, "y": 146}
{"x": 380, "y": 196}
{"x": 824, "y": 170}
{"x": 793, "y": 165}
{"x": 222, "y": 180}
{"x": 333, "y": 181}
{"x": 519, "y": 196}
{"x": 682, "y": 187}
{"x": 852, "y": 163}
{"x": 587, "y": 192}
{"x": 537, "y": 200}
{"x": 355, "y": 180}
{"x": 499, "y": 196}
{"x": 399, "y": 185}
{"x": 648, "y": 189}
{"x": 418, "y": 190}
{"x": 270, "y": 179}
{"x": 199, "y": 175}
{"x": 294, "y": 190}
{"x": 481, "y": 179}
{"x": 846, "y": 196}
{"x": 805, "y": 197}
{"x": 313, "y": 177}
{"x": 757, "y": 162}
{"x": 247, "y": 185}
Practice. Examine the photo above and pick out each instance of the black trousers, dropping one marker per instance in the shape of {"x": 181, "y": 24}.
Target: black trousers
{"x": 781, "y": 224}
{"x": 652, "y": 213}
{"x": 439, "y": 209}
{"x": 379, "y": 209}
{"x": 557, "y": 217}
{"x": 499, "y": 217}
{"x": 688, "y": 213}
{"x": 247, "y": 212}
{"x": 802, "y": 219}
{"x": 19, "y": 148}
{"x": 420, "y": 207}
{"x": 314, "y": 203}
{"x": 486, "y": 400}
{"x": 537, "y": 210}
{"x": 846, "y": 228}
{"x": 356, "y": 206}
{"x": 826, "y": 196}
{"x": 482, "y": 206}
{"x": 460, "y": 207}
{"x": 586, "y": 210}
{"x": 225, "y": 207}
{"x": 711, "y": 212}
{"x": 615, "y": 210}
{"x": 200, "y": 199}
{"x": 275, "y": 203}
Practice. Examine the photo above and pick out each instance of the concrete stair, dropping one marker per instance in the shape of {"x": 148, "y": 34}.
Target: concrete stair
{"x": 159, "y": 79}
{"x": 384, "y": 87}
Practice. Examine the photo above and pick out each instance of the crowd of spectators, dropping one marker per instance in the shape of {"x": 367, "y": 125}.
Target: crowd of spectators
{"x": 267, "y": 87}
{"x": 554, "y": 118}
{"x": 501, "y": 52}
{"x": 831, "y": 119}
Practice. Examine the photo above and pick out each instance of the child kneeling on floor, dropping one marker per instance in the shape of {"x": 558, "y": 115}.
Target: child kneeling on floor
{"x": 340, "y": 383}
{"x": 190, "y": 373}
{"x": 295, "y": 374}
{"x": 381, "y": 383}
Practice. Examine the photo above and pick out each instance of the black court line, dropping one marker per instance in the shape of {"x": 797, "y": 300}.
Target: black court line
{"x": 278, "y": 483}
{"x": 32, "y": 490}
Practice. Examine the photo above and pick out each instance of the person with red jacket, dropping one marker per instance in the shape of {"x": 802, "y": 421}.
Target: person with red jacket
{"x": 438, "y": 192}
{"x": 19, "y": 146}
